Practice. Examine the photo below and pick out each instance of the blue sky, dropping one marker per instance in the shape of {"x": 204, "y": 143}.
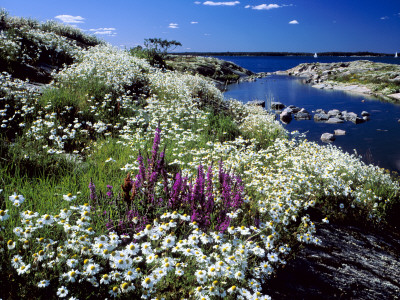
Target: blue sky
{"x": 245, "y": 25}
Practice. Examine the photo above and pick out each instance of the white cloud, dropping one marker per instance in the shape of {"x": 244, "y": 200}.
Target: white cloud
{"x": 384, "y": 18}
{"x": 111, "y": 31}
{"x": 70, "y": 19}
{"x": 294, "y": 22}
{"x": 197, "y": 2}
{"x": 103, "y": 29}
{"x": 266, "y": 6}
{"x": 173, "y": 25}
{"x": 106, "y": 32}
{"x": 207, "y": 34}
{"x": 229, "y": 3}
{"x": 194, "y": 22}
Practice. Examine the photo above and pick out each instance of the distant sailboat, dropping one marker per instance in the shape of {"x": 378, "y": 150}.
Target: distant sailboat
{"x": 315, "y": 55}
{"x": 395, "y": 55}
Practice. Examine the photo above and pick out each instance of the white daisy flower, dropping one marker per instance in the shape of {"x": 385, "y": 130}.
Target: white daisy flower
{"x": 69, "y": 197}
{"x": 62, "y": 292}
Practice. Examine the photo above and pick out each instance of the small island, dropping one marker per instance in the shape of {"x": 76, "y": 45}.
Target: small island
{"x": 360, "y": 76}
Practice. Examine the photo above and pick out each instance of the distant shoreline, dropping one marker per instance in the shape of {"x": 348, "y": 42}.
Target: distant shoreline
{"x": 339, "y": 54}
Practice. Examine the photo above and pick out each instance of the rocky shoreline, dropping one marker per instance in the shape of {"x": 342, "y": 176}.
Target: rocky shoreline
{"x": 351, "y": 263}
{"x": 361, "y": 76}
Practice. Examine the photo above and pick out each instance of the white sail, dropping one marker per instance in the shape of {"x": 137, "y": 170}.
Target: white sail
{"x": 395, "y": 55}
{"x": 315, "y": 55}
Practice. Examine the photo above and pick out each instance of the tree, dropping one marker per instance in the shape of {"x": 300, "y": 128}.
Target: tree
{"x": 156, "y": 49}
{"x": 160, "y": 46}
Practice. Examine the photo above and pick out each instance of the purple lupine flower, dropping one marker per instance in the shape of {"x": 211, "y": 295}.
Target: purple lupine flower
{"x": 153, "y": 179}
{"x": 198, "y": 189}
{"x": 223, "y": 223}
{"x": 174, "y": 199}
{"x": 221, "y": 172}
{"x": 226, "y": 190}
{"x": 195, "y": 216}
{"x": 209, "y": 193}
{"x": 238, "y": 197}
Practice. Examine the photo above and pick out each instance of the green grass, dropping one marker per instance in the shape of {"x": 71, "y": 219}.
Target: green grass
{"x": 379, "y": 82}
{"x": 75, "y": 94}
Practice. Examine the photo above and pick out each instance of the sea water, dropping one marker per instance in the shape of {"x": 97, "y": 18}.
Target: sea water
{"x": 377, "y": 140}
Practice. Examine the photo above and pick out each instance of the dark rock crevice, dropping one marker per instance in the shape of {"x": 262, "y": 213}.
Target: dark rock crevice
{"x": 351, "y": 263}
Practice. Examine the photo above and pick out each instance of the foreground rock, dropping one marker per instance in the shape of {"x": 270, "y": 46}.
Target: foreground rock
{"x": 351, "y": 263}
{"x": 361, "y": 76}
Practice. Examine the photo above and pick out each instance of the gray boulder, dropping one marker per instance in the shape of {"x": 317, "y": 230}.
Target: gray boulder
{"x": 320, "y": 111}
{"x": 321, "y": 117}
{"x": 352, "y": 117}
{"x": 303, "y": 110}
{"x": 302, "y": 116}
{"x": 340, "y": 132}
{"x": 334, "y": 120}
{"x": 327, "y": 137}
{"x": 277, "y": 105}
{"x": 288, "y": 110}
{"x": 285, "y": 117}
{"x": 365, "y": 113}
{"x": 334, "y": 112}
{"x": 358, "y": 120}
{"x": 295, "y": 109}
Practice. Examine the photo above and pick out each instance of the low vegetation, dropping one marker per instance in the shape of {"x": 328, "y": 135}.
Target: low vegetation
{"x": 380, "y": 78}
{"x": 120, "y": 179}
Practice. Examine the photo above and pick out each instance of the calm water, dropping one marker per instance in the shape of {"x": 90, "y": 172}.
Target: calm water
{"x": 282, "y": 63}
{"x": 377, "y": 140}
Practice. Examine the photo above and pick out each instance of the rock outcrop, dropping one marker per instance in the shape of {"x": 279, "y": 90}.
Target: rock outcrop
{"x": 221, "y": 71}
{"x": 351, "y": 263}
{"x": 360, "y": 76}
